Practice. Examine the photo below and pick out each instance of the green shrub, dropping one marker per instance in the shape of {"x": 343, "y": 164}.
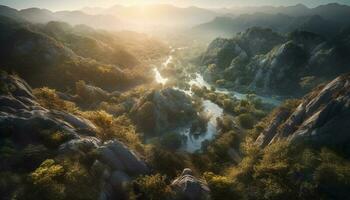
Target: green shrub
{"x": 221, "y": 187}
{"x": 167, "y": 162}
{"x": 153, "y": 187}
{"x": 65, "y": 180}
{"x": 218, "y": 149}
{"x": 120, "y": 128}
{"x": 172, "y": 141}
{"x": 246, "y": 120}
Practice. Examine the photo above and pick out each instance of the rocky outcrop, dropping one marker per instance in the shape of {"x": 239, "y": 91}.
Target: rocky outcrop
{"x": 158, "y": 111}
{"x": 322, "y": 118}
{"x": 22, "y": 115}
{"x": 268, "y": 63}
{"x": 188, "y": 187}
{"x": 25, "y": 122}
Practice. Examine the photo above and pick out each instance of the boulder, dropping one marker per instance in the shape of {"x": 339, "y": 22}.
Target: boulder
{"x": 119, "y": 157}
{"x": 188, "y": 187}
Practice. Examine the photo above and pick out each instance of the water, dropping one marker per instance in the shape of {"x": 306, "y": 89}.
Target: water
{"x": 199, "y": 81}
{"x": 194, "y": 142}
{"x": 158, "y": 77}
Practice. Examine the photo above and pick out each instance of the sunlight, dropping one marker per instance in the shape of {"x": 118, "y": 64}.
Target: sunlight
{"x": 159, "y": 78}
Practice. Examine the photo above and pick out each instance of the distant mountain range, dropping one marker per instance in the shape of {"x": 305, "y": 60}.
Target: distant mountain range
{"x": 158, "y": 14}
{"x": 325, "y": 20}
{"x": 36, "y": 15}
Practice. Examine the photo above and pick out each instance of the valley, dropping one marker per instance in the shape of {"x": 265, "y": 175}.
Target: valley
{"x": 162, "y": 102}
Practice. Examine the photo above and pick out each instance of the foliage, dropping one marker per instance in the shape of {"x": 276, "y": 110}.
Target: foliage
{"x": 246, "y": 120}
{"x": 52, "y": 139}
{"x": 221, "y": 187}
{"x": 48, "y": 98}
{"x": 110, "y": 128}
{"x": 282, "y": 171}
{"x": 218, "y": 150}
{"x": 53, "y": 180}
{"x": 167, "y": 162}
{"x": 153, "y": 187}
{"x": 172, "y": 141}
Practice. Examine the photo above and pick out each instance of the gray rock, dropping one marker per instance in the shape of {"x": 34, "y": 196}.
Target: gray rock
{"x": 120, "y": 158}
{"x": 189, "y": 187}
{"x": 23, "y": 118}
{"x": 322, "y": 118}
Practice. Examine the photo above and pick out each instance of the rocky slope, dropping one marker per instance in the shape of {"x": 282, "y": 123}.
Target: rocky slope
{"x": 269, "y": 63}
{"x": 56, "y": 134}
{"x": 320, "y": 119}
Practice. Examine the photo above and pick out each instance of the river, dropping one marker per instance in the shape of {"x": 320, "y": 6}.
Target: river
{"x": 194, "y": 142}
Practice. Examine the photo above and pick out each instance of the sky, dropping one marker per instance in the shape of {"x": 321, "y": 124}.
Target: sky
{"x": 78, "y": 4}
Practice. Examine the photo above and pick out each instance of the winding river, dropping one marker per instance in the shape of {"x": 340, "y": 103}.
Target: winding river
{"x": 194, "y": 142}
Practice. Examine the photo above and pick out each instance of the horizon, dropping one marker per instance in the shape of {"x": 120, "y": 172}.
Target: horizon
{"x": 205, "y": 4}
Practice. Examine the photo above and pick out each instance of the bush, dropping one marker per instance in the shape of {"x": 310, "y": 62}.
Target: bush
{"x": 66, "y": 180}
{"x": 246, "y": 120}
{"x": 172, "y": 141}
{"x": 120, "y": 128}
{"x": 218, "y": 149}
{"x": 167, "y": 162}
{"x": 153, "y": 187}
{"x": 221, "y": 187}
{"x": 48, "y": 98}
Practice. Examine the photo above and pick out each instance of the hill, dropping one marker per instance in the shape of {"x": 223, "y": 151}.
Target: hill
{"x": 270, "y": 63}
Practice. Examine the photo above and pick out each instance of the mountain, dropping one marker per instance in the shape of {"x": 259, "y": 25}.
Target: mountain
{"x": 268, "y": 62}
{"x": 332, "y": 11}
{"x": 158, "y": 14}
{"x": 296, "y": 10}
{"x": 325, "y": 20}
{"x": 76, "y": 53}
{"x": 227, "y": 26}
{"x": 36, "y": 15}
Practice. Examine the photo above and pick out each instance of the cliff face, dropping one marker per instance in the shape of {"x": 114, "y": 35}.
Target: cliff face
{"x": 322, "y": 118}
